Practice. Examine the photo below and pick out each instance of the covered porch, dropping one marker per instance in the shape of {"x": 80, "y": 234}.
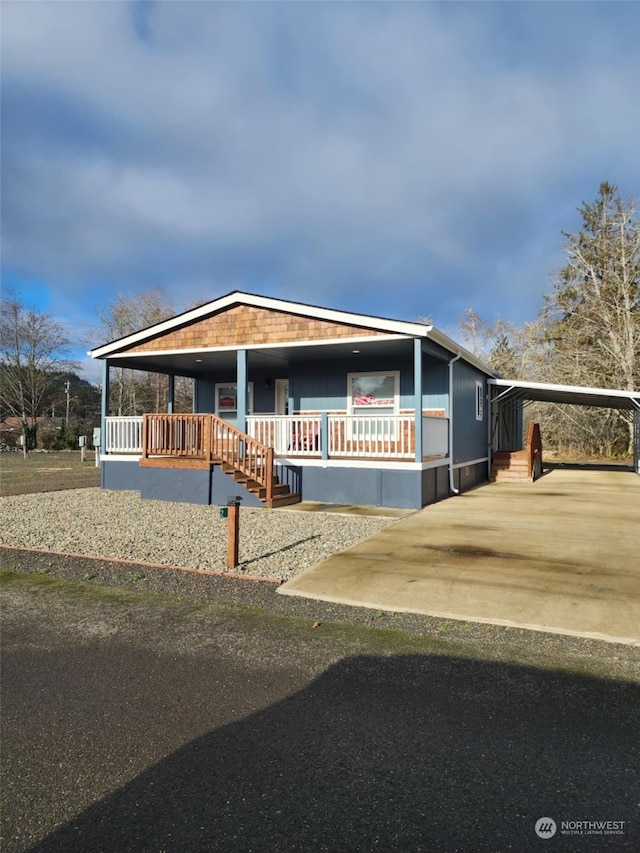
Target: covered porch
{"x": 322, "y": 436}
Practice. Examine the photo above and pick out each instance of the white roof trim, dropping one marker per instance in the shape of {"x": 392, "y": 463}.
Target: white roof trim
{"x": 449, "y": 344}
{"x": 550, "y": 386}
{"x": 238, "y": 298}
{"x": 591, "y": 396}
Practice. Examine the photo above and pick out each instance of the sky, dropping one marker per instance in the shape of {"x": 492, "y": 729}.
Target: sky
{"x": 406, "y": 160}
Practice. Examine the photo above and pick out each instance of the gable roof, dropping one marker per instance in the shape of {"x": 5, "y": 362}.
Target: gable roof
{"x": 379, "y": 325}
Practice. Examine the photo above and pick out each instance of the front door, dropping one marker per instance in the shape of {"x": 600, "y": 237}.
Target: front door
{"x": 282, "y": 396}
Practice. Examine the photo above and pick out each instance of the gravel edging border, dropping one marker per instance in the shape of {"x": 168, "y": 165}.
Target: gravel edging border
{"x": 480, "y": 640}
{"x": 145, "y": 564}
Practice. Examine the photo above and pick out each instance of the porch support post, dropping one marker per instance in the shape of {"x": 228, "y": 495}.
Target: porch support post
{"x": 324, "y": 435}
{"x": 104, "y": 406}
{"x": 171, "y": 389}
{"x": 417, "y": 388}
{"x": 243, "y": 390}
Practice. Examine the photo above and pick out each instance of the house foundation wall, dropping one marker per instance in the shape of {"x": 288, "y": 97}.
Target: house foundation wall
{"x": 174, "y": 484}
{"x": 435, "y": 484}
{"x": 468, "y": 477}
{"x": 404, "y": 489}
{"x": 369, "y": 486}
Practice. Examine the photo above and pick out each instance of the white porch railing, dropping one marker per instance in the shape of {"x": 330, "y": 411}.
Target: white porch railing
{"x": 289, "y": 435}
{"x": 123, "y": 434}
{"x": 372, "y": 436}
{"x": 360, "y": 436}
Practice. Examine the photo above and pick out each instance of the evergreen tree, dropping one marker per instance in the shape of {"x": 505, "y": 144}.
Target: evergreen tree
{"x": 593, "y": 312}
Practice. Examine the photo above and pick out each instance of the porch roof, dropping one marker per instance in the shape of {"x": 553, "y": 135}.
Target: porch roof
{"x": 607, "y": 398}
{"x": 390, "y": 336}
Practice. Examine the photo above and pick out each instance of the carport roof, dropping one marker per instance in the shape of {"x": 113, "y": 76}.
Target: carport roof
{"x": 577, "y": 395}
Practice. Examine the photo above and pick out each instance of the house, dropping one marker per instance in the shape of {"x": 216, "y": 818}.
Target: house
{"x": 296, "y": 402}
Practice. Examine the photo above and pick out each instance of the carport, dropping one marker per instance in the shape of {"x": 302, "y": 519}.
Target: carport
{"x": 508, "y": 397}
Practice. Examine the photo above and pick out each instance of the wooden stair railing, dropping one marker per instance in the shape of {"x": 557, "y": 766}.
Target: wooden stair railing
{"x": 174, "y": 435}
{"x": 212, "y": 440}
{"x": 534, "y": 451}
{"x": 243, "y": 453}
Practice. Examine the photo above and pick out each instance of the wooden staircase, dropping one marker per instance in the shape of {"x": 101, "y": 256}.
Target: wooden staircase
{"x": 281, "y": 494}
{"x": 203, "y": 441}
{"x": 509, "y": 465}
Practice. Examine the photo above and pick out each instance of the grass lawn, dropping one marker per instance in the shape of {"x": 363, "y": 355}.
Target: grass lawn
{"x": 46, "y": 472}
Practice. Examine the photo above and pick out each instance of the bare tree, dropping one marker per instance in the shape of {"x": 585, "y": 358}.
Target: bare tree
{"x": 515, "y": 351}
{"x": 594, "y": 308}
{"x": 34, "y": 351}
{"x": 134, "y": 391}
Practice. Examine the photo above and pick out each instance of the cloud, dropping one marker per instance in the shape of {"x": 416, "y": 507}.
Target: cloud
{"x": 323, "y": 152}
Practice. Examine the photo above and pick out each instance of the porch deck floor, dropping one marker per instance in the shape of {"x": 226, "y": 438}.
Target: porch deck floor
{"x": 558, "y": 555}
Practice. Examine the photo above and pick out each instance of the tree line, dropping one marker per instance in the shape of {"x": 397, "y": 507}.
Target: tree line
{"x": 41, "y": 394}
{"x": 587, "y": 332}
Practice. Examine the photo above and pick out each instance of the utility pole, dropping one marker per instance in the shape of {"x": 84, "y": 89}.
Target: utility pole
{"x": 67, "y": 386}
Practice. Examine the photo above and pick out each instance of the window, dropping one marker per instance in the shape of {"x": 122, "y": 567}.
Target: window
{"x": 227, "y": 398}
{"x": 372, "y": 392}
{"x": 227, "y": 401}
{"x": 479, "y": 401}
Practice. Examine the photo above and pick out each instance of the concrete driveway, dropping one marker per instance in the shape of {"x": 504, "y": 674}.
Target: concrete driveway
{"x": 559, "y": 555}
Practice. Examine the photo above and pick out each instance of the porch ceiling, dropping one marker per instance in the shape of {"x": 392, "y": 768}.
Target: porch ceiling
{"x": 200, "y": 363}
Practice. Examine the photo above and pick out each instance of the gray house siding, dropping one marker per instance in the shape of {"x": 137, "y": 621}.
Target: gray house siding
{"x": 469, "y": 434}
{"x": 435, "y": 384}
{"x": 322, "y": 385}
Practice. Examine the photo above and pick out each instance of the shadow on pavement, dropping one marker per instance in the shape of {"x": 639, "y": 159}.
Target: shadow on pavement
{"x": 406, "y": 753}
{"x": 587, "y": 466}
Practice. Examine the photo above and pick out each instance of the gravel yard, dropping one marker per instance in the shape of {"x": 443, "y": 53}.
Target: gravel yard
{"x": 120, "y": 525}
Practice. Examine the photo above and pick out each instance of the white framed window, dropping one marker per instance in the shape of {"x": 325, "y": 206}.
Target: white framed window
{"x": 227, "y": 401}
{"x": 479, "y": 400}
{"x": 376, "y": 392}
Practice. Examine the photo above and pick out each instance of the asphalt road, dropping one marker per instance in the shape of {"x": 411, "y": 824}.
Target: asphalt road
{"x": 134, "y": 724}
